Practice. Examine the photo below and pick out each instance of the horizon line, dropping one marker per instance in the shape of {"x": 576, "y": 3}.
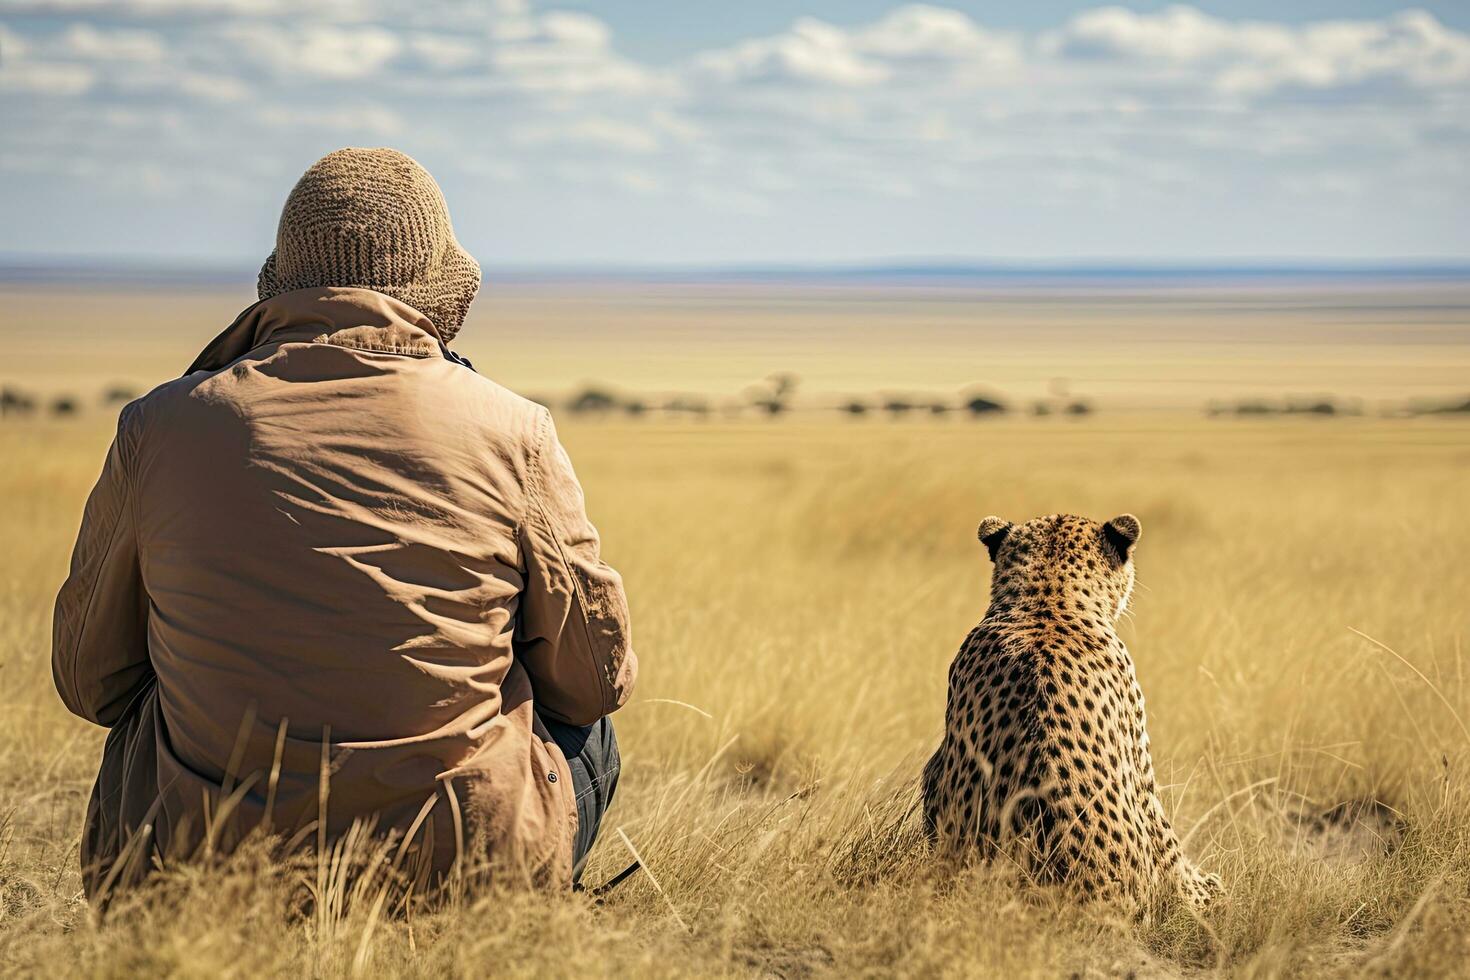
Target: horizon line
{"x": 22, "y": 268}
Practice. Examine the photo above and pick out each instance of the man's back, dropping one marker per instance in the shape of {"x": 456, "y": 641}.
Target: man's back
{"x": 353, "y": 513}
{"x": 342, "y": 538}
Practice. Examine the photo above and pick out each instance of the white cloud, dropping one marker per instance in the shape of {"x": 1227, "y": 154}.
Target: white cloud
{"x": 922, "y": 32}
{"x": 365, "y": 119}
{"x": 47, "y": 79}
{"x": 812, "y": 51}
{"x": 611, "y": 133}
{"x": 1177, "y": 34}
{"x": 128, "y": 8}
{"x": 1411, "y": 48}
{"x": 86, "y": 60}
{"x": 320, "y": 50}
{"x": 1253, "y": 58}
{"x": 1112, "y": 106}
{"x": 212, "y": 88}
{"x": 542, "y": 71}
{"x": 167, "y": 8}
{"x": 562, "y": 54}
{"x": 445, "y": 52}
{"x": 88, "y": 43}
{"x": 909, "y": 40}
{"x": 923, "y": 105}
{"x": 576, "y": 30}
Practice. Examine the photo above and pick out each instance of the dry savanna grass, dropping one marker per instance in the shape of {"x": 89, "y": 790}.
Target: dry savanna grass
{"x": 798, "y": 588}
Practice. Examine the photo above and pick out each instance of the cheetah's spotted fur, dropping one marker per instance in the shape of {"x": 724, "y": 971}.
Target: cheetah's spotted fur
{"x": 1045, "y": 745}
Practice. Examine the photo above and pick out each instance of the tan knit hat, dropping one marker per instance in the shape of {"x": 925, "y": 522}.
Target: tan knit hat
{"x": 373, "y": 218}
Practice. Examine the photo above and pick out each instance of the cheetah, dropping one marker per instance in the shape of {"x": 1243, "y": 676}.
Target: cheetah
{"x": 1045, "y": 753}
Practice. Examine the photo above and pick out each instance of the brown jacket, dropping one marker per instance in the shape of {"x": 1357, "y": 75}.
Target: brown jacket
{"x": 329, "y": 549}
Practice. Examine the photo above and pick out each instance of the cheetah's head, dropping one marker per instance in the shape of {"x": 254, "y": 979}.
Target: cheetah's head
{"x": 1064, "y": 563}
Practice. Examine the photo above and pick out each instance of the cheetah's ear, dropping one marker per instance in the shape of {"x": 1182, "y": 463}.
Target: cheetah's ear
{"x": 993, "y": 531}
{"x": 1122, "y": 534}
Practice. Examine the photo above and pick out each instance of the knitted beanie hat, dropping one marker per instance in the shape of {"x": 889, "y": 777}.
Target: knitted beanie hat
{"x": 373, "y": 218}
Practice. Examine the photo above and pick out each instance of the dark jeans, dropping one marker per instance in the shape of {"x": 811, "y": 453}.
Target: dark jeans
{"x": 592, "y": 754}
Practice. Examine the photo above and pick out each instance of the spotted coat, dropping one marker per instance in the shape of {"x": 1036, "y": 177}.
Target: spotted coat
{"x": 1045, "y": 754}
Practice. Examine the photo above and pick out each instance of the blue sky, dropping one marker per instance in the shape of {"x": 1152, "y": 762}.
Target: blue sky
{"x": 703, "y": 132}
{"x": 667, "y": 31}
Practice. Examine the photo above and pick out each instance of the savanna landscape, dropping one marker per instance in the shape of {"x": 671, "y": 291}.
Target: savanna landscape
{"x": 799, "y": 581}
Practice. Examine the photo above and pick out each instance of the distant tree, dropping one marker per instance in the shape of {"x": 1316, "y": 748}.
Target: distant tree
{"x": 771, "y": 406}
{"x": 855, "y": 408}
{"x": 939, "y": 408}
{"x": 687, "y": 405}
{"x": 118, "y": 395}
{"x": 1254, "y": 408}
{"x": 1079, "y": 408}
{"x": 592, "y": 401}
{"x": 635, "y": 408}
{"x": 1041, "y": 408}
{"x": 63, "y": 406}
{"x": 897, "y": 408}
{"x": 13, "y": 401}
{"x": 1463, "y": 406}
{"x": 783, "y": 383}
{"x": 1316, "y": 408}
{"x": 774, "y": 395}
{"x": 978, "y": 405}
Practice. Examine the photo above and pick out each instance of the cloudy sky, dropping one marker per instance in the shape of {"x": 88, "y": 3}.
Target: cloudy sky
{"x": 706, "y": 131}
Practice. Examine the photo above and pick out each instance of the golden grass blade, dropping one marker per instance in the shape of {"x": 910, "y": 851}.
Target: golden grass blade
{"x": 1420, "y": 674}
{"x": 682, "y": 704}
{"x": 654, "y": 880}
{"x": 1204, "y": 817}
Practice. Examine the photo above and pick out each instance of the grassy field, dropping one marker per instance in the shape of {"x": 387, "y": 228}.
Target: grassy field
{"x": 798, "y": 588}
{"x": 796, "y": 607}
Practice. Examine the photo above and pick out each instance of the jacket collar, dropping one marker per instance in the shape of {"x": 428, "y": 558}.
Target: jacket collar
{"x": 342, "y": 315}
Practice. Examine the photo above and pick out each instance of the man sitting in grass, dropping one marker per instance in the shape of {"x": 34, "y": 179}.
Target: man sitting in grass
{"x": 332, "y": 576}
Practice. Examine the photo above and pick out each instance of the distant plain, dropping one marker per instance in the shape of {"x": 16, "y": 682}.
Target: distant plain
{"x": 799, "y": 584}
{"x": 1125, "y": 343}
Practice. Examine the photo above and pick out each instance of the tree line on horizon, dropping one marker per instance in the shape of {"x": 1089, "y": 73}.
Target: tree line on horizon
{"x": 775, "y": 397}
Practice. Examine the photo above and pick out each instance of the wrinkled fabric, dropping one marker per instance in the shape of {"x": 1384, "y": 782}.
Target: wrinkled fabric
{"x": 330, "y": 576}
